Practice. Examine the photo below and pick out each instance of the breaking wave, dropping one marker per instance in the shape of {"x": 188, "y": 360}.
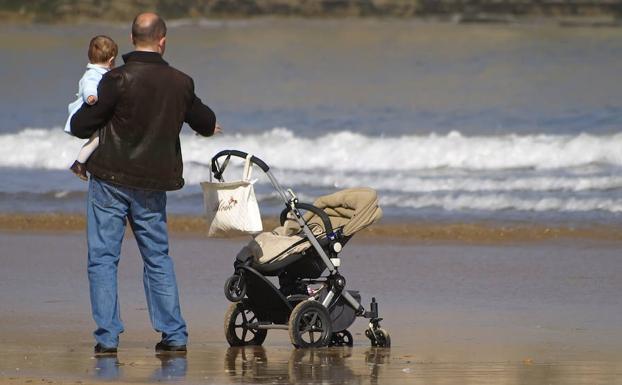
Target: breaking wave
{"x": 453, "y": 172}
{"x": 348, "y": 151}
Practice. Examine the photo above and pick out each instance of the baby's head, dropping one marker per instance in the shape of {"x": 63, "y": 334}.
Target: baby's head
{"x": 103, "y": 50}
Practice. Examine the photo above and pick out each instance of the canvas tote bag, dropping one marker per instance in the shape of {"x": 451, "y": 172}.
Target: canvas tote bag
{"x": 231, "y": 207}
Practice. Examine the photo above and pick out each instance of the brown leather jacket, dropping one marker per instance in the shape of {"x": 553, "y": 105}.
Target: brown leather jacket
{"x": 139, "y": 113}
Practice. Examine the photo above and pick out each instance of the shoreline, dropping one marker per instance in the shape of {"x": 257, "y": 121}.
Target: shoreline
{"x": 482, "y": 232}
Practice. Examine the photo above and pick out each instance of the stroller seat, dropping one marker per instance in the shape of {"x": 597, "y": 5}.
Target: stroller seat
{"x": 348, "y": 210}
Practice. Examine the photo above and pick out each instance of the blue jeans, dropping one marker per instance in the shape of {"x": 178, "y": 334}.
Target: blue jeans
{"x": 108, "y": 206}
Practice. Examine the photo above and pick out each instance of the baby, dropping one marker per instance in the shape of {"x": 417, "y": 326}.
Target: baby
{"x": 102, "y": 53}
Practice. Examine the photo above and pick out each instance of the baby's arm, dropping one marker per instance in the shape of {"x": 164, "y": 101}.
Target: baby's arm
{"x": 89, "y": 119}
{"x": 89, "y": 90}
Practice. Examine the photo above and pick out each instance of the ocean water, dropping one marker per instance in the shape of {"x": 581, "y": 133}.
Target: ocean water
{"x": 446, "y": 121}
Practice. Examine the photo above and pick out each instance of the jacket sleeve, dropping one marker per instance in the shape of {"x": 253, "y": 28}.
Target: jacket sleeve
{"x": 200, "y": 117}
{"x": 89, "y": 119}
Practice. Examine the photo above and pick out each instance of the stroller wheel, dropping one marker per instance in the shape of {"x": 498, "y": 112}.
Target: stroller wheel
{"x": 310, "y": 325}
{"x": 235, "y": 288}
{"x": 342, "y": 338}
{"x": 379, "y": 338}
{"x": 238, "y": 330}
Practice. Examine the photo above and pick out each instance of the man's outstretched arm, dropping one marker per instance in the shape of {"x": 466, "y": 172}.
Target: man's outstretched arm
{"x": 200, "y": 117}
{"x": 89, "y": 119}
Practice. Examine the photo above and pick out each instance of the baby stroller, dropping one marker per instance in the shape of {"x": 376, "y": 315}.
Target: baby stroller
{"x": 314, "y": 307}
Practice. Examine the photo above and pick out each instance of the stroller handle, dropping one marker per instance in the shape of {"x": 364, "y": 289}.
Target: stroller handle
{"x": 241, "y": 154}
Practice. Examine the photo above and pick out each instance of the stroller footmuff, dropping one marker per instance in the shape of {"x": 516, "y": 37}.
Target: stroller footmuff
{"x": 311, "y": 301}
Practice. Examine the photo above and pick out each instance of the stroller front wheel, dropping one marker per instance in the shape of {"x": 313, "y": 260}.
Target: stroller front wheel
{"x": 238, "y": 329}
{"x": 310, "y": 325}
{"x": 235, "y": 288}
{"x": 342, "y": 338}
{"x": 379, "y": 338}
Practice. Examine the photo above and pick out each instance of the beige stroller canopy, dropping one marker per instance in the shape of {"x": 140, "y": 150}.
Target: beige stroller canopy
{"x": 349, "y": 210}
{"x": 352, "y": 209}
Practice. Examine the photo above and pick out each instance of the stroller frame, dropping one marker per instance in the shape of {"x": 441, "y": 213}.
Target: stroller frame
{"x": 335, "y": 283}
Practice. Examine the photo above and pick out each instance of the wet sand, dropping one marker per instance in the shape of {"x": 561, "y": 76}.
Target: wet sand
{"x": 546, "y": 311}
{"x": 410, "y": 231}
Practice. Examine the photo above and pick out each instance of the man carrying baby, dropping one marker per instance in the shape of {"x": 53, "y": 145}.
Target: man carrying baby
{"x": 141, "y": 108}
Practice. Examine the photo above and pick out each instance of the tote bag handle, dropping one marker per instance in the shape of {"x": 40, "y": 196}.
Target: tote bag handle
{"x": 248, "y": 168}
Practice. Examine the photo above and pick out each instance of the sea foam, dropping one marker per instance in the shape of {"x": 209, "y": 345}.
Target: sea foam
{"x": 452, "y": 172}
{"x": 348, "y": 151}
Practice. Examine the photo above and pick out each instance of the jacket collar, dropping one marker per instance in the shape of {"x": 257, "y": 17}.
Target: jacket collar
{"x": 144, "y": 57}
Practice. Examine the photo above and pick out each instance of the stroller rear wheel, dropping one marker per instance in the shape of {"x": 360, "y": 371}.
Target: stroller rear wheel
{"x": 238, "y": 318}
{"x": 309, "y": 325}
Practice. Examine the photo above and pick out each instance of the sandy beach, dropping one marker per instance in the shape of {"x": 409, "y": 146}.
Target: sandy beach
{"x": 536, "y": 311}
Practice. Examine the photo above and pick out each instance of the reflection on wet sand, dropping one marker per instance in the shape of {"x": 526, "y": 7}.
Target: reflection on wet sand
{"x": 330, "y": 365}
{"x": 171, "y": 367}
{"x": 284, "y": 365}
{"x": 107, "y": 368}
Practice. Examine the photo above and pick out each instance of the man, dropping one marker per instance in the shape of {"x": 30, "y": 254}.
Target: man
{"x": 141, "y": 108}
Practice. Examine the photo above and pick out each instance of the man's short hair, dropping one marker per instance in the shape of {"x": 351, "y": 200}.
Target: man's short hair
{"x": 148, "y": 33}
{"x": 101, "y": 49}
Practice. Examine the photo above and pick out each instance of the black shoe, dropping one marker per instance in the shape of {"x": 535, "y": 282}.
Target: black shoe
{"x": 79, "y": 169}
{"x": 164, "y": 348}
{"x": 101, "y": 350}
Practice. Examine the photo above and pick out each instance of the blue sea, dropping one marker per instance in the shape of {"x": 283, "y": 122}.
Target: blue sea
{"x": 447, "y": 121}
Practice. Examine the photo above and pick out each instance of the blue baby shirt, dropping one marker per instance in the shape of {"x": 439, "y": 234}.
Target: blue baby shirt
{"x": 86, "y": 86}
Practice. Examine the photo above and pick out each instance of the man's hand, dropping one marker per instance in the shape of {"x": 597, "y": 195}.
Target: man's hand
{"x": 91, "y": 99}
{"x": 217, "y": 129}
